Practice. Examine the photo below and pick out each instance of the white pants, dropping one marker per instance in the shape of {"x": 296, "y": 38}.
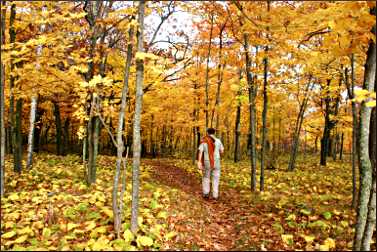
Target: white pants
{"x": 215, "y": 175}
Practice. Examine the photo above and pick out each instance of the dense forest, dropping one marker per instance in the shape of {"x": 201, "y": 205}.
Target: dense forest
{"x": 104, "y": 105}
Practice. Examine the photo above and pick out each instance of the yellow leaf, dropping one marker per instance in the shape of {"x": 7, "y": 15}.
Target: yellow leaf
{"x": 13, "y": 197}
{"x": 144, "y": 241}
{"x": 71, "y": 226}
{"x": 38, "y": 225}
{"x": 26, "y": 230}
{"x": 128, "y": 236}
{"x": 170, "y": 235}
{"x": 21, "y": 239}
{"x": 100, "y": 244}
{"x": 371, "y": 103}
{"x": 101, "y": 230}
{"x": 324, "y": 247}
{"x": 162, "y": 215}
{"x": 142, "y": 56}
{"x": 308, "y": 238}
{"x": 330, "y": 243}
{"x": 361, "y": 92}
{"x": 331, "y": 24}
{"x": 8, "y": 235}
{"x": 90, "y": 225}
{"x": 287, "y": 239}
{"x": 107, "y": 211}
{"x": 8, "y": 224}
{"x": 46, "y": 232}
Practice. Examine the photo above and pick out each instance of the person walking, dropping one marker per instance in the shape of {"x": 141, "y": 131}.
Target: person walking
{"x": 210, "y": 151}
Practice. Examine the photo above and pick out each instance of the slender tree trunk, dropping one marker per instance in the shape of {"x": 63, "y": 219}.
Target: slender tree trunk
{"x": 119, "y": 138}
{"x": 371, "y": 219}
{"x": 137, "y": 120}
{"x": 365, "y": 162}
{"x": 325, "y": 141}
{"x": 38, "y": 130}
{"x": 264, "y": 117}
{"x": 96, "y": 134}
{"x": 341, "y": 146}
{"x": 33, "y": 109}
{"x": 66, "y": 136}
{"x": 196, "y": 131}
{"x": 207, "y": 72}
{"x": 58, "y": 125}
{"x": 252, "y": 94}
{"x": 33, "y": 112}
{"x": 92, "y": 7}
{"x": 237, "y": 129}
{"x": 296, "y": 135}
{"x": 14, "y": 118}
{"x": 2, "y": 105}
{"x": 220, "y": 72}
{"x": 355, "y": 123}
{"x": 18, "y": 137}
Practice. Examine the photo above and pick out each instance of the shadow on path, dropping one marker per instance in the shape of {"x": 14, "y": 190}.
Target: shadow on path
{"x": 175, "y": 177}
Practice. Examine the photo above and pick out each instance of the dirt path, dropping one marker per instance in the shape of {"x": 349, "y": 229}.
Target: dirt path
{"x": 205, "y": 224}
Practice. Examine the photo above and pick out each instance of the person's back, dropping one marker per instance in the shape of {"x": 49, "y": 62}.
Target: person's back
{"x": 210, "y": 151}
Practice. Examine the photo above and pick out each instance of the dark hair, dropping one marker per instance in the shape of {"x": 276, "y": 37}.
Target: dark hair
{"x": 211, "y": 131}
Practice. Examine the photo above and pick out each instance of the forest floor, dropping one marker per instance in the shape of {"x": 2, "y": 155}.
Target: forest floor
{"x": 308, "y": 209}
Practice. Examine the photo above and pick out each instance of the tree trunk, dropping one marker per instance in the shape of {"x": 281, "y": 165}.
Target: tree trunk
{"x": 325, "y": 140}
{"x": 371, "y": 219}
{"x": 252, "y": 94}
{"x": 58, "y": 125}
{"x": 66, "y": 136}
{"x": 38, "y": 130}
{"x": 137, "y": 120}
{"x": 14, "y": 117}
{"x": 2, "y": 106}
{"x": 264, "y": 117}
{"x": 93, "y": 133}
{"x": 207, "y": 72}
{"x": 341, "y": 146}
{"x": 17, "y": 138}
{"x": 33, "y": 112}
{"x": 355, "y": 123}
{"x": 365, "y": 162}
{"x": 119, "y": 139}
{"x": 237, "y": 129}
{"x": 196, "y": 129}
{"x": 220, "y": 72}
{"x": 296, "y": 135}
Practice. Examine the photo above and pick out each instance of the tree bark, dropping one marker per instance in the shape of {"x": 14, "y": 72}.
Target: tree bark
{"x": 298, "y": 125}
{"x": 365, "y": 162}
{"x": 237, "y": 129}
{"x": 196, "y": 129}
{"x": 120, "y": 144}
{"x": 58, "y": 125}
{"x": 2, "y": 106}
{"x": 14, "y": 117}
{"x": 220, "y": 73}
{"x": 371, "y": 219}
{"x": 66, "y": 136}
{"x": 137, "y": 120}
{"x": 252, "y": 94}
{"x": 33, "y": 112}
{"x": 264, "y": 117}
{"x": 18, "y": 137}
{"x": 207, "y": 72}
{"x": 325, "y": 140}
